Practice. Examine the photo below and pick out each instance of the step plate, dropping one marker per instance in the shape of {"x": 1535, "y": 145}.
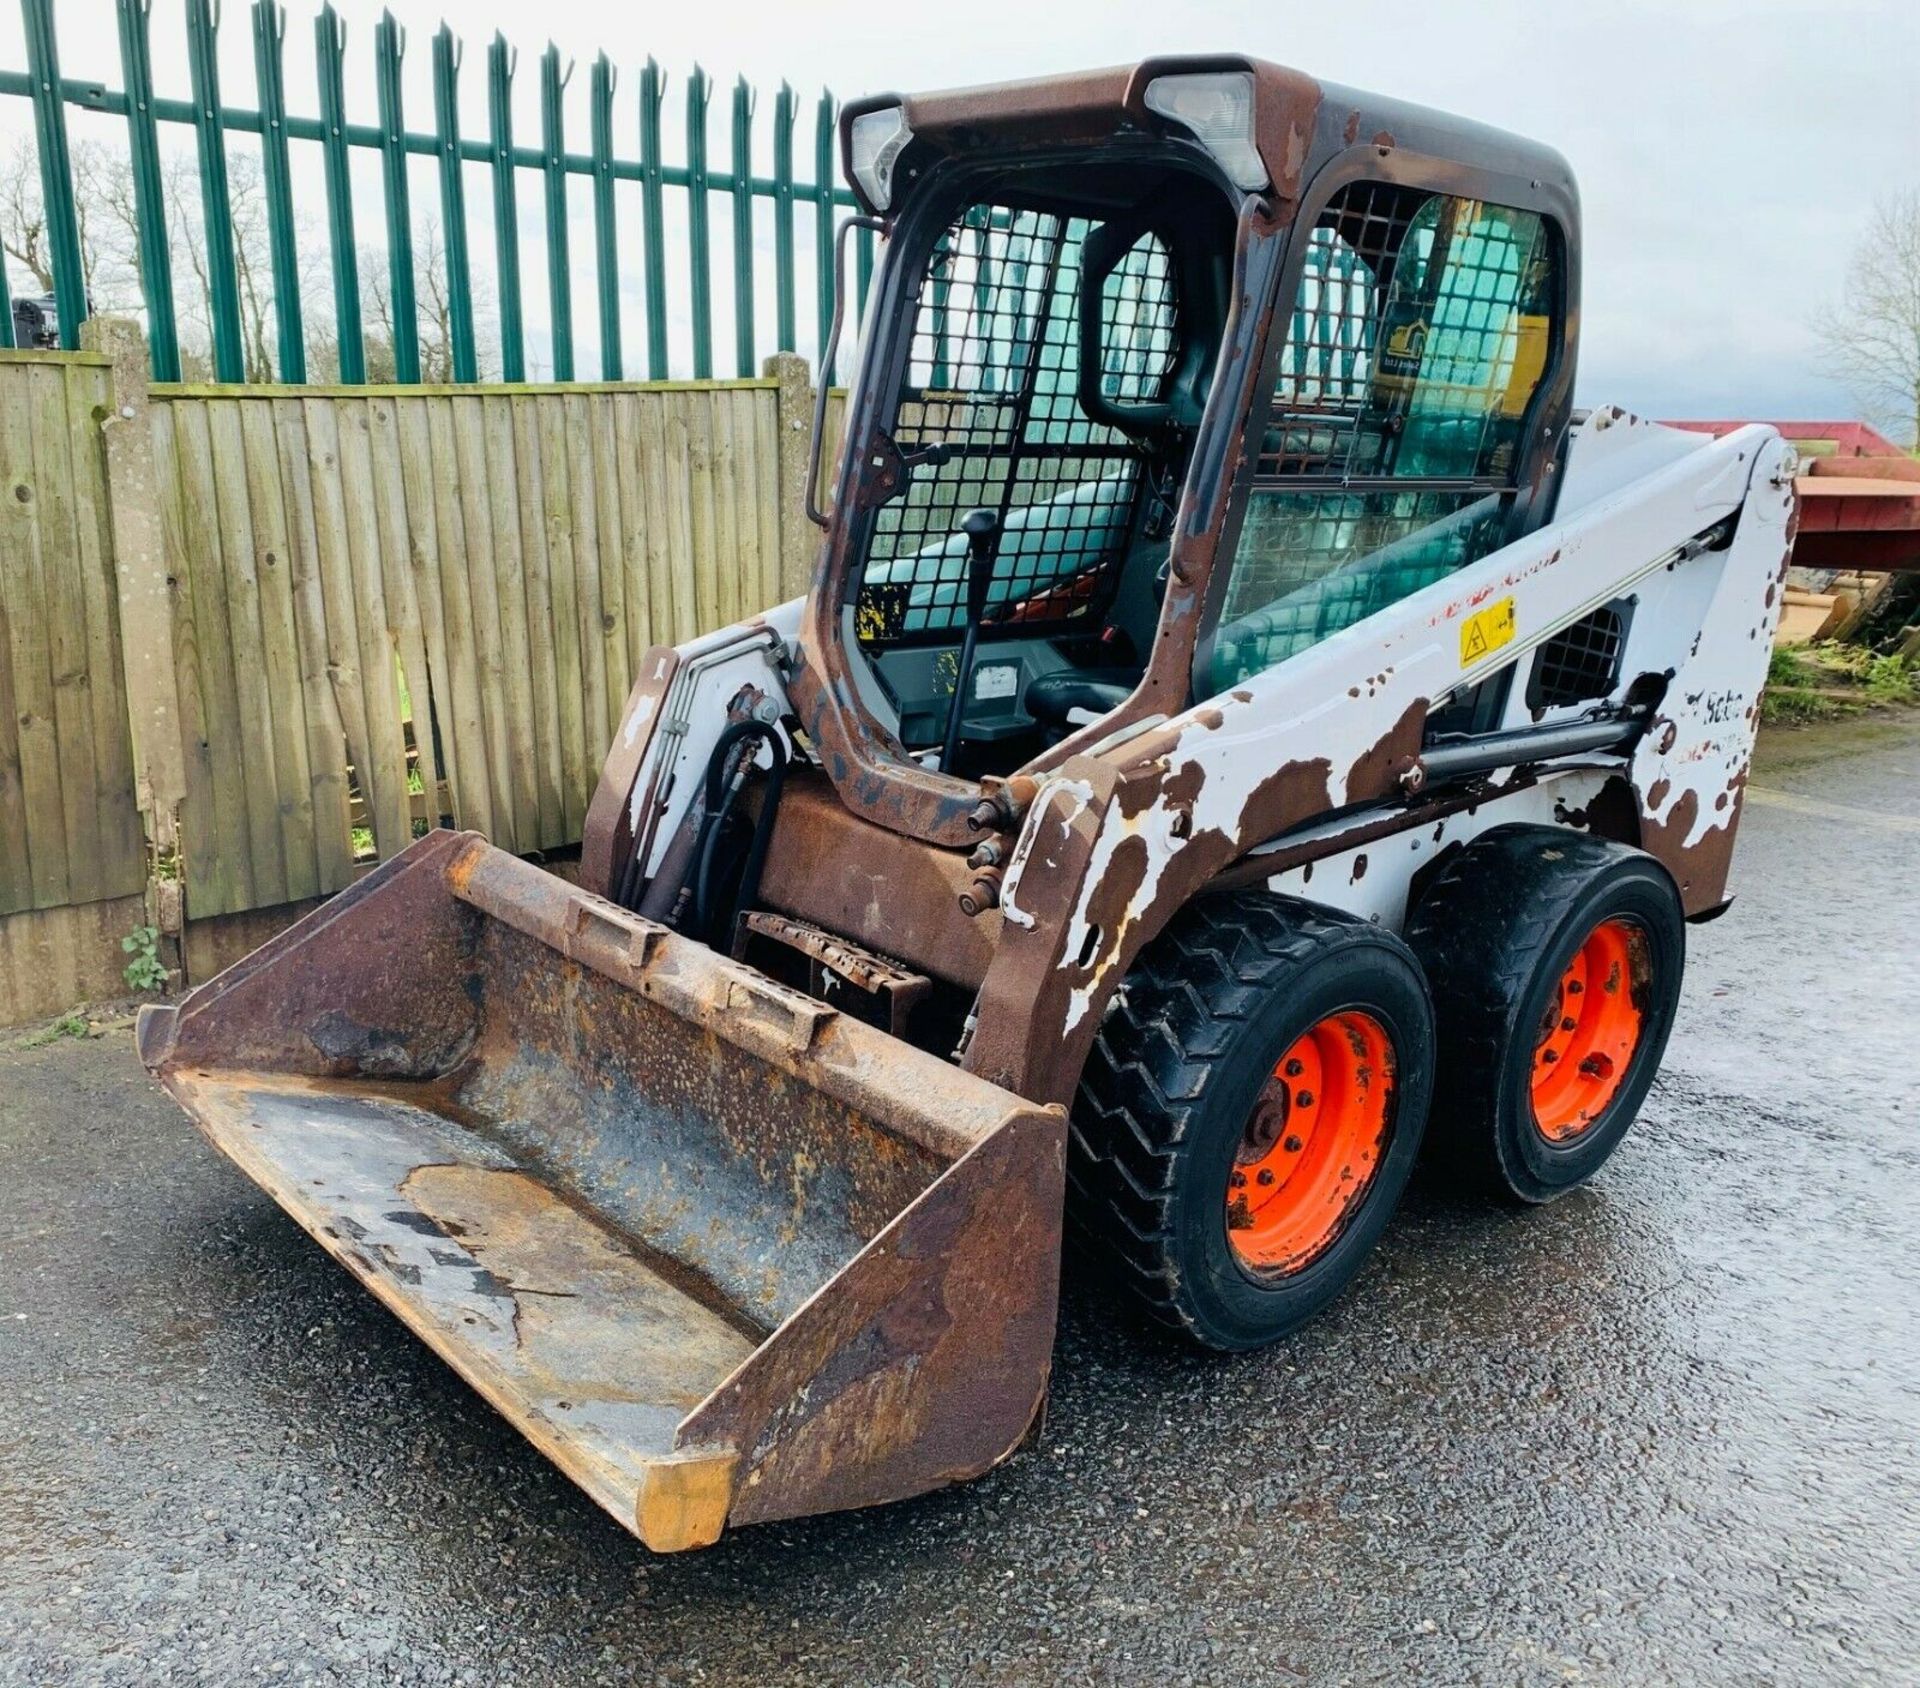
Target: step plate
{"x": 586, "y": 1348}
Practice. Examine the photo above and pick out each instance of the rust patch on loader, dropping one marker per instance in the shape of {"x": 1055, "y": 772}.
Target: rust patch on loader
{"x": 719, "y": 1251}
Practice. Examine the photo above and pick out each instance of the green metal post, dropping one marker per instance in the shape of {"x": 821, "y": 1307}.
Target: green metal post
{"x": 269, "y": 37}
{"x": 501, "y": 60}
{"x": 863, "y": 263}
{"x": 653, "y": 221}
{"x": 6, "y": 292}
{"x": 56, "y": 172}
{"x": 389, "y": 43}
{"x": 553, "y": 165}
{"x": 453, "y": 204}
{"x": 823, "y": 223}
{"x": 743, "y": 228}
{"x": 329, "y": 42}
{"x": 783, "y": 116}
{"x": 223, "y": 281}
{"x": 149, "y": 193}
{"x": 606, "y": 244}
{"x": 699, "y": 89}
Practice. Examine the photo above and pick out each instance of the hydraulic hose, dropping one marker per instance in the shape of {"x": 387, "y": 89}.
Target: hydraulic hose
{"x": 723, "y": 789}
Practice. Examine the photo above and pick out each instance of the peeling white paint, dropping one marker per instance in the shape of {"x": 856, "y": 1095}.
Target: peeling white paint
{"x": 1337, "y": 700}
{"x": 1044, "y": 815}
{"x": 641, "y": 714}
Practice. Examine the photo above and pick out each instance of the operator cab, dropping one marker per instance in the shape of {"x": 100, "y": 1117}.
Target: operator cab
{"x": 1065, "y": 324}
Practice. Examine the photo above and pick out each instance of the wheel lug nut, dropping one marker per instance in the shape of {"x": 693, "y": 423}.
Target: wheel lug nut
{"x": 1574, "y": 987}
{"x": 1293, "y": 1145}
{"x": 1550, "y": 1055}
{"x": 1567, "y": 1025}
{"x": 1303, "y": 1099}
{"x": 1295, "y": 1069}
{"x": 1266, "y": 1175}
{"x": 1239, "y": 1180}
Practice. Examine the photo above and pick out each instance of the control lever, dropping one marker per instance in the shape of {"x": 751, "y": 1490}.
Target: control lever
{"x": 927, "y": 457}
{"x": 982, "y": 528}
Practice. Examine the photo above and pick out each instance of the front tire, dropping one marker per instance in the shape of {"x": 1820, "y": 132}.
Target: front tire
{"x": 1555, "y": 961}
{"x": 1250, "y": 1114}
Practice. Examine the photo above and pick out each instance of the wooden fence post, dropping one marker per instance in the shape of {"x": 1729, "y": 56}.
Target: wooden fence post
{"x": 146, "y": 625}
{"x": 799, "y": 538}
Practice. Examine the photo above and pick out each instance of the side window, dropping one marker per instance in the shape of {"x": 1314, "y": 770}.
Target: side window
{"x": 1420, "y": 332}
{"x": 992, "y": 384}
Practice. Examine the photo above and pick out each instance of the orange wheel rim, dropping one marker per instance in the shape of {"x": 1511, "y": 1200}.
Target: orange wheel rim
{"x": 1590, "y": 1031}
{"x": 1313, "y": 1143}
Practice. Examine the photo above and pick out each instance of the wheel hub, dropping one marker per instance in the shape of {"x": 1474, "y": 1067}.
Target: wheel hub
{"x": 1312, "y": 1142}
{"x": 1590, "y": 1031}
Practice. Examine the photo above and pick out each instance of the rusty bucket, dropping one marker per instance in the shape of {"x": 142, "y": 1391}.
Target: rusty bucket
{"x": 722, "y": 1254}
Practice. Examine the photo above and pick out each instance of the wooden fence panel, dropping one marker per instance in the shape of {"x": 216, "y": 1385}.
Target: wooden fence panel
{"x": 403, "y": 605}
{"x": 69, "y": 828}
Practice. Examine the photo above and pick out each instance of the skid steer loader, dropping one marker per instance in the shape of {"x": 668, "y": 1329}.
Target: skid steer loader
{"x": 1240, "y": 709}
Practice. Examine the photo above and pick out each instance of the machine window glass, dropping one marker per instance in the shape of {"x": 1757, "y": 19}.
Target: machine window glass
{"x": 990, "y": 416}
{"x": 1418, "y": 337}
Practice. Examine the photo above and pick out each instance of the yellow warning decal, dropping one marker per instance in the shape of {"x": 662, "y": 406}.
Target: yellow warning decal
{"x": 1485, "y": 631}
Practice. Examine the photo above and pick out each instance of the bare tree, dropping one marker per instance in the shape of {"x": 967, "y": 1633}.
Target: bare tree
{"x": 252, "y": 263}
{"x": 109, "y": 270}
{"x": 433, "y": 309}
{"x": 1873, "y": 339}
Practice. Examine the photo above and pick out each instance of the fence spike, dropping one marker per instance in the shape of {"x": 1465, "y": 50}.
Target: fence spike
{"x": 502, "y": 61}
{"x": 389, "y": 44}
{"x": 783, "y": 286}
{"x": 606, "y": 243}
{"x": 447, "y": 56}
{"x": 653, "y": 219}
{"x": 56, "y": 171}
{"x": 216, "y": 202}
{"x": 743, "y": 301}
{"x": 330, "y": 43}
{"x": 699, "y": 247}
{"x": 823, "y": 125}
{"x": 154, "y": 251}
{"x": 554, "y": 180}
{"x": 269, "y": 37}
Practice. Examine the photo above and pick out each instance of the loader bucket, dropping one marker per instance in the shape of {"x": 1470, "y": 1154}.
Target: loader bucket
{"x": 721, "y": 1253}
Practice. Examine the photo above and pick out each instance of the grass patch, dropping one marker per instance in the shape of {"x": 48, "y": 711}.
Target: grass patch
{"x": 1794, "y": 694}
{"x": 1827, "y": 681}
{"x": 70, "y": 1024}
{"x": 1889, "y": 679}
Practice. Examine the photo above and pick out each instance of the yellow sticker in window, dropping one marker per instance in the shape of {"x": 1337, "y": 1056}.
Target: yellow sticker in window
{"x": 1485, "y": 631}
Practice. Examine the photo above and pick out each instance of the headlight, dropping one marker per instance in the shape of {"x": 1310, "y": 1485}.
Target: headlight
{"x": 875, "y": 145}
{"x": 1217, "y": 107}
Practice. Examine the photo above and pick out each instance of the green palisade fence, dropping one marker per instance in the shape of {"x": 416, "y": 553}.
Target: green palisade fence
{"x": 288, "y": 139}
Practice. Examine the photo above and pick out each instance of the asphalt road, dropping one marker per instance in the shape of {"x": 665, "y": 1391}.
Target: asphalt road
{"x": 1663, "y": 1431}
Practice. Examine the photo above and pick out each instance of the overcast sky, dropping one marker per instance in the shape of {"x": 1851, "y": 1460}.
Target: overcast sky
{"x": 1728, "y": 151}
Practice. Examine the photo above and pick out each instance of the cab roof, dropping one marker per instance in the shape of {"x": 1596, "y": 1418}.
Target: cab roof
{"x": 1300, "y": 122}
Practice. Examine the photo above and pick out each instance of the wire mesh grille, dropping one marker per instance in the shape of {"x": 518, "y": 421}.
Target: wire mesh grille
{"x": 1136, "y": 309}
{"x": 1579, "y": 663}
{"x": 991, "y": 391}
{"x": 1417, "y": 338}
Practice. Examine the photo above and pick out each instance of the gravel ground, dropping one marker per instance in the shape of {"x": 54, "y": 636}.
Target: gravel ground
{"x": 1662, "y": 1431}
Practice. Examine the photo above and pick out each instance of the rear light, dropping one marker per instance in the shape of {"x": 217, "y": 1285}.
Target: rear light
{"x": 875, "y": 144}
{"x": 1216, "y": 107}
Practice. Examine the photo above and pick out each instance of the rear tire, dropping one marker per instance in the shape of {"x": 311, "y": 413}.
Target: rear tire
{"x": 1251, "y": 1113}
{"x": 1555, "y": 961}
